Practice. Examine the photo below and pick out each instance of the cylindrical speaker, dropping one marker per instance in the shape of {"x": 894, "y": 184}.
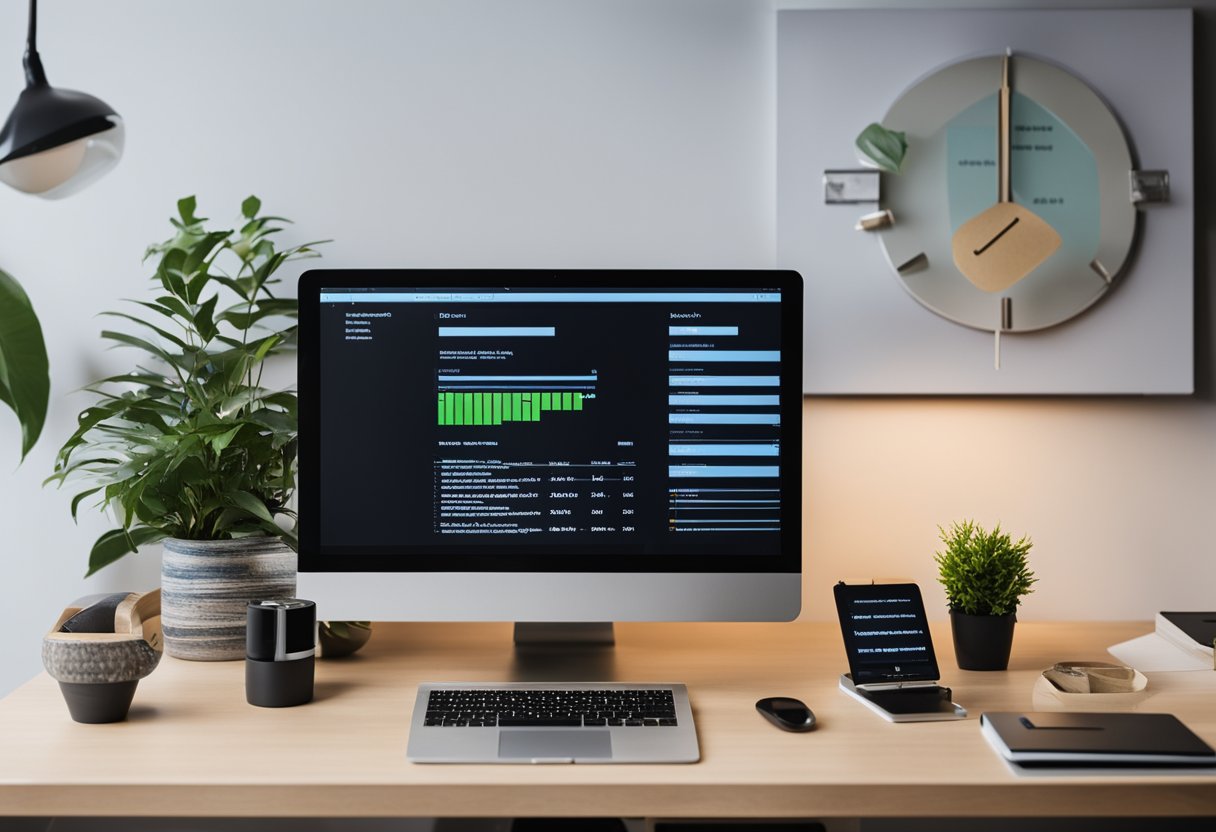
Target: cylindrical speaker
{"x": 280, "y": 652}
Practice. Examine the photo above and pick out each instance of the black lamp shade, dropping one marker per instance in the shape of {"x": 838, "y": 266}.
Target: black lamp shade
{"x": 58, "y": 141}
{"x": 55, "y": 141}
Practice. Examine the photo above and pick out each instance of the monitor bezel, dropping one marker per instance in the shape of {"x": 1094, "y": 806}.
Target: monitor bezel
{"x": 514, "y": 557}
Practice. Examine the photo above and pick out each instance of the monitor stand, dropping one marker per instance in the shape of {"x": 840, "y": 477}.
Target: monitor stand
{"x": 564, "y": 634}
{"x": 568, "y": 652}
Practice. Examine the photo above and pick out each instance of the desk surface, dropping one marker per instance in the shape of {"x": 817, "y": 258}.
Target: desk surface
{"x": 193, "y": 747}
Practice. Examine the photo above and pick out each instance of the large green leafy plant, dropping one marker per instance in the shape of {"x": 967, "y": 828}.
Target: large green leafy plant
{"x": 189, "y": 444}
{"x": 984, "y": 573}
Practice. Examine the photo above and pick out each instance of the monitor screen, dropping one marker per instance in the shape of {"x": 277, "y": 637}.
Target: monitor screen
{"x": 550, "y": 421}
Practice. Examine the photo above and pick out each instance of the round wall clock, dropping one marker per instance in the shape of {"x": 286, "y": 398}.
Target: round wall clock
{"x": 1013, "y": 211}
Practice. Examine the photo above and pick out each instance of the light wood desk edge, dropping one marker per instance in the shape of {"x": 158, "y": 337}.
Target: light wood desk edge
{"x": 193, "y": 747}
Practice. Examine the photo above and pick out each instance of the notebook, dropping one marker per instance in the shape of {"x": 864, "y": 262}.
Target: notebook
{"x": 1188, "y": 630}
{"x": 1094, "y": 739}
{"x": 1181, "y": 641}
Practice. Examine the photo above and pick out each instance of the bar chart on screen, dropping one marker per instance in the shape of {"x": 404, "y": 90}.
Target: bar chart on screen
{"x": 463, "y": 406}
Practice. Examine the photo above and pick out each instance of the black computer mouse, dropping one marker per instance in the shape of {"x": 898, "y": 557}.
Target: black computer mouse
{"x": 786, "y": 713}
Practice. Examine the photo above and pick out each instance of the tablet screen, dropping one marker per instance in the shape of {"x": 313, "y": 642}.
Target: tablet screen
{"x": 886, "y": 635}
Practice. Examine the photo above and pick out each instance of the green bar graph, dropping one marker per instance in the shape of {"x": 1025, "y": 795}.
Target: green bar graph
{"x": 500, "y": 408}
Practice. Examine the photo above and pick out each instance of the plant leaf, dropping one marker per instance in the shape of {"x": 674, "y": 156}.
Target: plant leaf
{"x": 114, "y": 544}
{"x": 225, "y": 439}
{"x": 163, "y": 333}
{"x": 203, "y": 319}
{"x": 83, "y": 495}
{"x": 249, "y": 504}
{"x": 885, "y": 148}
{"x": 185, "y": 209}
{"x": 25, "y": 382}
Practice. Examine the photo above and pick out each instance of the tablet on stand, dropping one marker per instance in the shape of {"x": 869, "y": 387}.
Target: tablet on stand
{"x": 892, "y": 666}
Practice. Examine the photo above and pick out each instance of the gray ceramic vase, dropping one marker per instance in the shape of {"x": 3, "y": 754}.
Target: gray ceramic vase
{"x": 206, "y": 586}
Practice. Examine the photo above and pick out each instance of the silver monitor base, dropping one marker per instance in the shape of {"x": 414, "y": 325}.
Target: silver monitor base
{"x": 530, "y": 634}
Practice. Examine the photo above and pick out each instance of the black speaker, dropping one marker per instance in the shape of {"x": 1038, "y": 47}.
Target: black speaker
{"x": 280, "y": 652}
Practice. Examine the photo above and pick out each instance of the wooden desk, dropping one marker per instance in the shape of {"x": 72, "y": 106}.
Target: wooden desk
{"x": 193, "y": 747}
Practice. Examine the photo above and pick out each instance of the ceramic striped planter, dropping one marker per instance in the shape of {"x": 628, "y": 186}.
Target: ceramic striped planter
{"x": 206, "y": 586}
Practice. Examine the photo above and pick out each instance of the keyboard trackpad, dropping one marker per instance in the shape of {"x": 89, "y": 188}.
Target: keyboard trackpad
{"x": 555, "y": 745}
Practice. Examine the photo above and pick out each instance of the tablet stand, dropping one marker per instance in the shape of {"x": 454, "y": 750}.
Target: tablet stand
{"x": 914, "y": 702}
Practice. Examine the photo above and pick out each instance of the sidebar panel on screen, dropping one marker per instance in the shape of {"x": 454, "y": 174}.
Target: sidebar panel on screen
{"x": 625, "y": 420}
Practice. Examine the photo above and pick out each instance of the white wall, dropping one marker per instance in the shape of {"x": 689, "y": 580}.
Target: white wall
{"x": 566, "y": 133}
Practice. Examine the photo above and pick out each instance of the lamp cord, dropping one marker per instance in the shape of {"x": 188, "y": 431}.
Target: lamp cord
{"x": 34, "y": 73}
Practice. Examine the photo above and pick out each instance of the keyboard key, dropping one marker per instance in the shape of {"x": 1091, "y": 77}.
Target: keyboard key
{"x": 513, "y": 721}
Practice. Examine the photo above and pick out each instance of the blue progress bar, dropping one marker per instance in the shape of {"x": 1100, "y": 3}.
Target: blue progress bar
{"x": 702, "y": 330}
{"x": 682, "y": 507}
{"x": 721, "y": 381}
{"x": 739, "y": 449}
{"x": 723, "y": 418}
{"x": 684, "y": 400}
{"x": 497, "y": 331}
{"x": 728, "y": 490}
{"x": 683, "y": 502}
{"x": 731, "y": 529}
{"x": 722, "y": 470}
{"x": 518, "y": 378}
{"x": 724, "y": 355}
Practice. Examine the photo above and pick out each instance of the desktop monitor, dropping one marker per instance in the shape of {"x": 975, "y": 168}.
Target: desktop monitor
{"x": 550, "y": 446}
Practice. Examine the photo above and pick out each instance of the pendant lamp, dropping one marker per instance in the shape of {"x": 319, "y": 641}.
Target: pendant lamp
{"x": 56, "y": 142}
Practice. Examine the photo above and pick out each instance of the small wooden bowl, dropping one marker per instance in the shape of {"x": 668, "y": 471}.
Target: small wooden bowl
{"x": 1104, "y": 680}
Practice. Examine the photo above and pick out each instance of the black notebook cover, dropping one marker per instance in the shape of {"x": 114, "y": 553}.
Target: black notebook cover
{"x": 1200, "y": 626}
{"x": 1095, "y": 737}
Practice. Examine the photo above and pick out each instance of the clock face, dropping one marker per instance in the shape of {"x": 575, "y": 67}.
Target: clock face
{"x": 1058, "y": 244}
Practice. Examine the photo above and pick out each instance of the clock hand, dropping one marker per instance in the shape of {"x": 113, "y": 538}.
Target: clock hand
{"x": 1035, "y": 240}
{"x": 1003, "y": 128}
{"x": 998, "y": 236}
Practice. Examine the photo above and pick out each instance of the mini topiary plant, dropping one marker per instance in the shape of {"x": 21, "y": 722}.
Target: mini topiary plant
{"x": 984, "y": 573}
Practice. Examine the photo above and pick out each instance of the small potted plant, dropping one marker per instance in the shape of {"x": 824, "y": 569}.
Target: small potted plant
{"x": 189, "y": 447}
{"x": 985, "y": 575}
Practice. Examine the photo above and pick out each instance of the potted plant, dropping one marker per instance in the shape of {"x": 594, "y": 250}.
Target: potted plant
{"x": 189, "y": 447}
{"x": 338, "y": 639}
{"x": 985, "y": 575}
